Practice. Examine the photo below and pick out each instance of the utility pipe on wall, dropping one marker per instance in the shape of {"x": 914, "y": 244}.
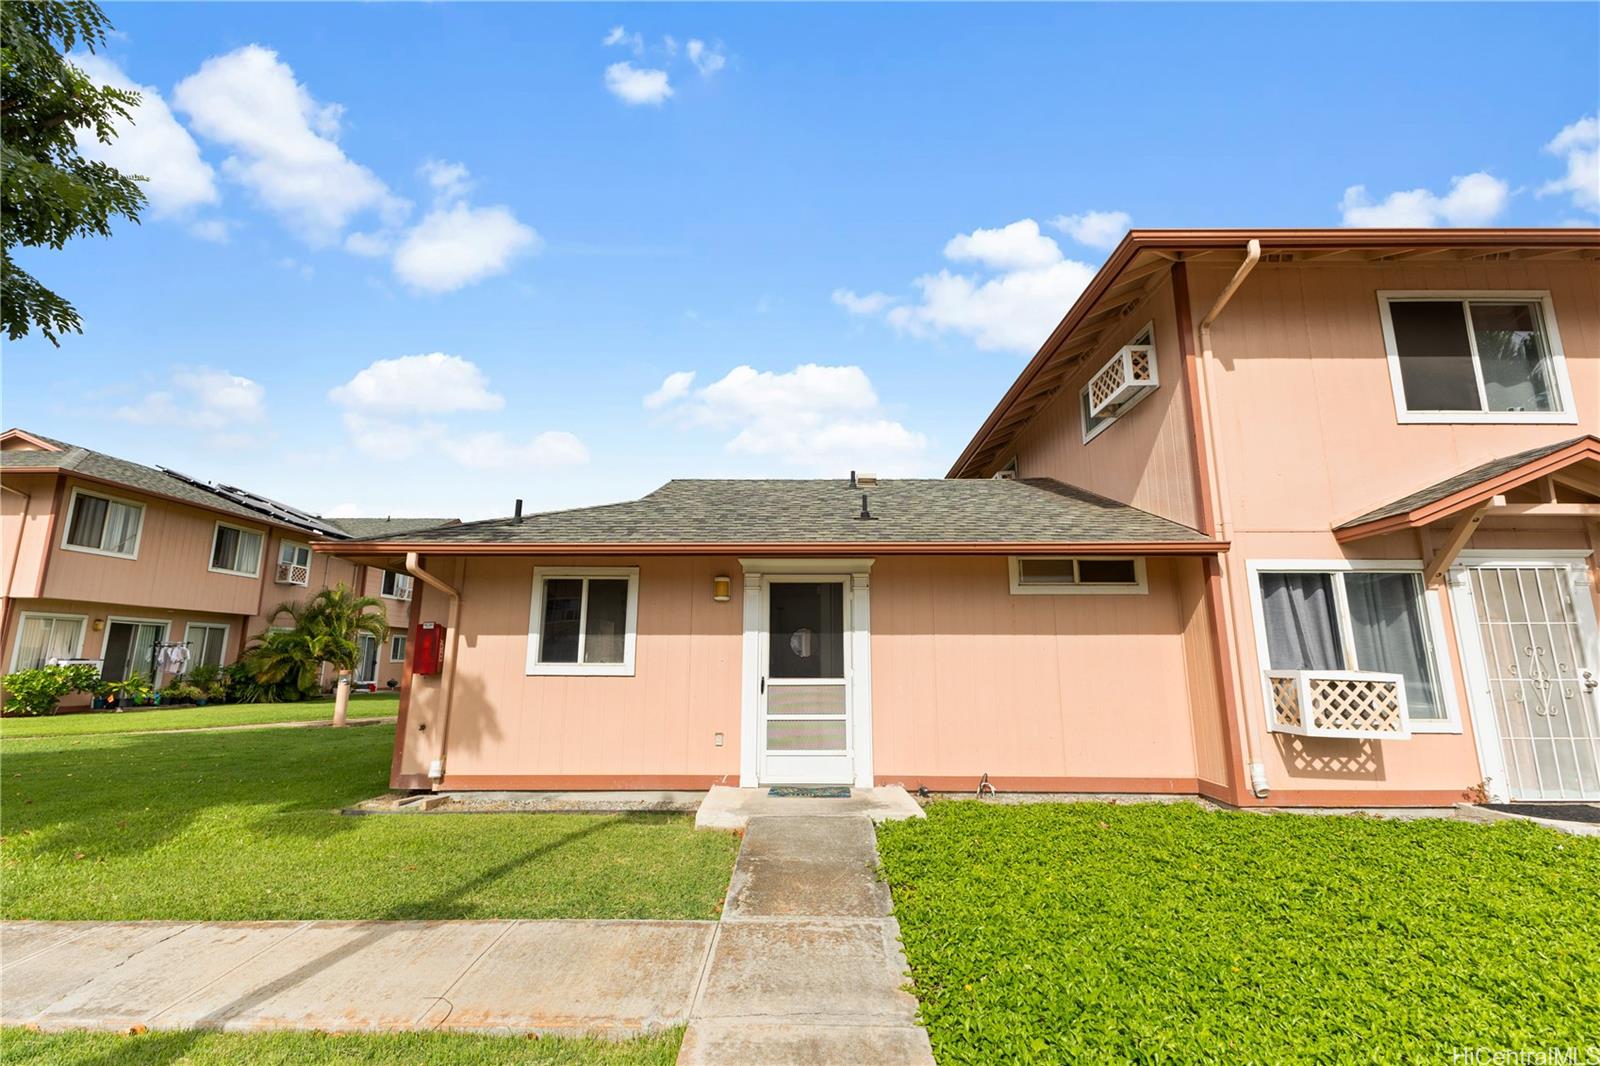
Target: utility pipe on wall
{"x": 1220, "y": 508}
{"x": 447, "y": 683}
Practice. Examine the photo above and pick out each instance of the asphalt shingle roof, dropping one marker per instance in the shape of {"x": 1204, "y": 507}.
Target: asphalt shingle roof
{"x": 377, "y": 527}
{"x": 793, "y": 511}
{"x": 1460, "y": 482}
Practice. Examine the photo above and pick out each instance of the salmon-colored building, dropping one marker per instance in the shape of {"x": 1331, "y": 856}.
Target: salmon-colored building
{"x": 113, "y": 562}
{"x": 1288, "y": 517}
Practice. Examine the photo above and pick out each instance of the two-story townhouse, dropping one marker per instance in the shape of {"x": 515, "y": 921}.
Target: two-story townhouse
{"x": 1395, "y": 432}
{"x": 1276, "y": 517}
{"x": 111, "y": 560}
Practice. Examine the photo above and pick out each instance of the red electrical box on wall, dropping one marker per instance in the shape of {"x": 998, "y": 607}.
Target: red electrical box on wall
{"x": 428, "y": 656}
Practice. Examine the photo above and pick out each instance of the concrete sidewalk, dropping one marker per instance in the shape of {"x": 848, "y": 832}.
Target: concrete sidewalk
{"x": 805, "y": 967}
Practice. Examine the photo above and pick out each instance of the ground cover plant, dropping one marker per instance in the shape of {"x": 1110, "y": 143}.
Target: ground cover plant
{"x": 245, "y": 825}
{"x": 1169, "y": 933}
{"x": 22, "y": 1047}
{"x": 140, "y": 720}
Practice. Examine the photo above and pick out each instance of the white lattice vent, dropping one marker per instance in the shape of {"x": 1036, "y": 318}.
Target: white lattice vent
{"x": 1125, "y": 379}
{"x": 1338, "y": 703}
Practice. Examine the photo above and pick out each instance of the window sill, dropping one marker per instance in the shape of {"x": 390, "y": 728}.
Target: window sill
{"x": 580, "y": 670}
{"x": 1432, "y": 726}
{"x": 1491, "y": 418}
{"x": 232, "y": 573}
{"x": 100, "y": 552}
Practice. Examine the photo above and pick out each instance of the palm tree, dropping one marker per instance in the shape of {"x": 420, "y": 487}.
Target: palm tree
{"x": 331, "y": 624}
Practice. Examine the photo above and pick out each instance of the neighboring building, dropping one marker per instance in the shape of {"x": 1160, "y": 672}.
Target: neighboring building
{"x": 1242, "y": 600}
{"x": 108, "y": 560}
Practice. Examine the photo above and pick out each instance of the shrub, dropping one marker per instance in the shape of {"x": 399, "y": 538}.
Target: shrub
{"x": 37, "y": 691}
{"x": 240, "y": 685}
{"x": 134, "y": 689}
{"x": 182, "y": 691}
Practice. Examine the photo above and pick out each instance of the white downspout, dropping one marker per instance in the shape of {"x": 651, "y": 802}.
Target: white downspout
{"x": 447, "y": 683}
{"x": 1219, "y": 507}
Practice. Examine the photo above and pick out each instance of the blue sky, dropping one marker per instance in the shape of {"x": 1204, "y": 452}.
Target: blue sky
{"x": 423, "y": 259}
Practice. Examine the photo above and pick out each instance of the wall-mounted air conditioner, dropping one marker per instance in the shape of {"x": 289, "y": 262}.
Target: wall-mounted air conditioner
{"x": 1125, "y": 379}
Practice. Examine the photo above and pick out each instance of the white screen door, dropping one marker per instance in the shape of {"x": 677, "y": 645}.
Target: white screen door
{"x": 367, "y": 665}
{"x": 805, "y": 683}
{"x": 1539, "y": 657}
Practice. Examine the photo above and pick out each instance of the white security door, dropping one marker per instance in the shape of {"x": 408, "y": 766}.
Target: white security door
{"x": 1540, "y": 662}
{"x": 805, "y": 683}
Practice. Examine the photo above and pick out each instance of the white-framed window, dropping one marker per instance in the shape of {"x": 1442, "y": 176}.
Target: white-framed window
{"x": 397, "y": 647}
{"x": 103, "y": 525}
{"x": 583, "y": 620}
{"x": 396, "y": 586}
{"x": 1093, "y": 424}
{"x": 294, "y": 563}
{"x": 1363, "y": 616}
{"x": 208, "y": 643}
{"x": 1077, "y": 575}
{"x": 42, "y": 637}
{"x": 235, "y": 550}
{"x": 1475, "y": 357}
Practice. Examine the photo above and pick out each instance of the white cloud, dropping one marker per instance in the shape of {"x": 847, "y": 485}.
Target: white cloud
{"x": 227, "y": 408}
{"x": 493, "y": 450}
{"x": 621, "y": 38}
{"x": 449, "y": 180}
{"x": 819, "y": 418}
{"x": 370, "y": 245}
{"x": 1019, "y": 246}
{"x": 435, "y": 383}
{"x": 637, "y": 85}
{"x": 1579, "y": 143}
{"x": 459, "y": 244}
{"x": 1473, "y": 200}
{"x": 152, "y": 144}
{"x": 1094, "y": 229}
{"x": 856, "y": 303}
{"x": 215, "y": 230}
{"x": 283, "y": 142}
{"x": 707, "y": 59}
{"x": 675, "y": 387}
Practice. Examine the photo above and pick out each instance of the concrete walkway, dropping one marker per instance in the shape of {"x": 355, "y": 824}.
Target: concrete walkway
{"x": 805, "y": 967}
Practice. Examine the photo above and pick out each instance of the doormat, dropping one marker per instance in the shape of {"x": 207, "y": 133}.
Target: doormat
{"x": 1587, "y": 813}
{"x": 791, "y": 792}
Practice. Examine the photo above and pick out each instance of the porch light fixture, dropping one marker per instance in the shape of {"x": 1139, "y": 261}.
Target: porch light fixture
{"x": 722, "y": 588}
{"x": 99, "y": 624}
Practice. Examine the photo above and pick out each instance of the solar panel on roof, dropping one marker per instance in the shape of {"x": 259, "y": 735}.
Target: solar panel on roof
{"x": 263, "y": 504}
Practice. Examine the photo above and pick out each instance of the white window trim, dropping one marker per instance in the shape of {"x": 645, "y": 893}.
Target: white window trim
{"x": 398, "y": 576}
{"x": 1443, "y": 668}
{"x": 72, "y": 509}
{"x": 582, "y": 669}
{"x": 261, "y": 545}
{"x": 286, "y": 543}
{"x": 1567, "y": 416}
{"x": 83, "y": 632}
{"x": 402, "y": 656}
{"x": 1140, "y": 586}
{"x": 194, "y": 653}
{"x": 1106, "y": 423}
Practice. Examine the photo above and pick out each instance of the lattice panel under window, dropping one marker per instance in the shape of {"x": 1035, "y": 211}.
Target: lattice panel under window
{"x": 1338, "y": 703}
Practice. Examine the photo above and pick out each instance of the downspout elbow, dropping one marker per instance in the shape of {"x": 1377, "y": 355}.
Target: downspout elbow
{"x": 448, "y": 681}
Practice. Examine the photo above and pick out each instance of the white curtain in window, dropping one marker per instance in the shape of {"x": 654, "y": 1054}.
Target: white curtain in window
{"x": 249, "y": 557}
{"x": 122, "y": 529}
{"x": 43, "y": 639}
{"x": 1386, "y": 625}
{"x": 1301, "y": 621}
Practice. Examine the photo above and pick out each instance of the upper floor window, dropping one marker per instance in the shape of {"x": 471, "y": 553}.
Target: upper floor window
{"x": 294, "y": 563}
{"x": 1056, "y": 575}
{"x": 103, "y": 525}
{"x": 396, "y": 586}
{"x": 236, "y": 550}
{"x": 1113, "y": 390}
{"x": 1475, "y": 357}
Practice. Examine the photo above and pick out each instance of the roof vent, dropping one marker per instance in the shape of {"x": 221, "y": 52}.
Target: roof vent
{"x": 516, "y": 514}
{"x": 865, "y": 515}
{"x": 865, "y": 480}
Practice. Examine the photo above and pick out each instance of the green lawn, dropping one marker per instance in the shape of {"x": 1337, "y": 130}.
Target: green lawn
{"x": 245, "y": 826}
{"x": 1153, "y": 933}
{"x": 20, "y": 1047}
{"x": 140, "y": 721}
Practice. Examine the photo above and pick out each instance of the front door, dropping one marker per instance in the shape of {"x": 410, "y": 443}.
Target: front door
{"x": 367, "y": 666}
{"x": 805, "y": 683}
{"x": 1536, "y": 631}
